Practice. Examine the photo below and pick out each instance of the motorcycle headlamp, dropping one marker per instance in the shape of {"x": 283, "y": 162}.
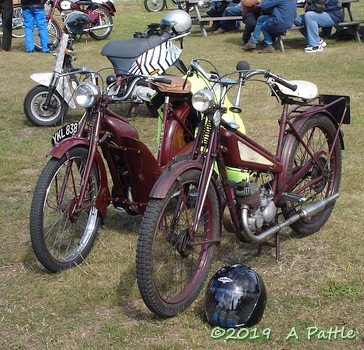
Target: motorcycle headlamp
{"x": 202, "y": 100}
{"x": 87, "y": 94}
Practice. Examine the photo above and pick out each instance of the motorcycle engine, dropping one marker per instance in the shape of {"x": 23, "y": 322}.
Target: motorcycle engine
{"x": 255, "y": 206}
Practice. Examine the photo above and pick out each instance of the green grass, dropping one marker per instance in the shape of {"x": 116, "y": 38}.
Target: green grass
{"x": 318, "y": 282}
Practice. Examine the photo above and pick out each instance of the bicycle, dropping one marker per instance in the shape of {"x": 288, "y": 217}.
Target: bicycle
{"x": 160, "y": 5}
{"x": 18, "y": 22}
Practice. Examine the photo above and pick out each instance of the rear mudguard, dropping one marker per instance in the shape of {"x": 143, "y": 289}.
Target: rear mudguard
{"x": 103, "y": 196}
{"x": 106, "y": 4}
{"x": 290, "y": 139}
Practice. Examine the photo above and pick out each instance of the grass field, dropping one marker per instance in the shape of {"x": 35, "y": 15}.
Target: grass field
{"x": 318, "y": 282}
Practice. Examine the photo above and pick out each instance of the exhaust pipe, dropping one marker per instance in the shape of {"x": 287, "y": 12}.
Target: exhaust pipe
{"x": 305, "y": 212}
{"x": 104, "y": 26}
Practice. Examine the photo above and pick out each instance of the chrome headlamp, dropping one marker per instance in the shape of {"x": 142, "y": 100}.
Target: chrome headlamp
{"x": 202, "y": 100}
{"x": 87, "y": 94}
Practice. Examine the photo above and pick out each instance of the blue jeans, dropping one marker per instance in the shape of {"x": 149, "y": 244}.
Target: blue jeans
{"x": 259, "y": 27}
{"x": 231, "y": 10}
{"x": 312, "y": 21}
{"x": 35, "y": 17}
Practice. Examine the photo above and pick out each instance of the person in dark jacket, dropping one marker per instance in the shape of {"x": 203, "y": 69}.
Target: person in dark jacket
{"x": 34, "y": 14}
{"x": 6, "y": 10}
{"x": 283, "y": 14}
{"x": 318, "y": 13}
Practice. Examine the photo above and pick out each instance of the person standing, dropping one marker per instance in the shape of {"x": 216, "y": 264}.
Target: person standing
{"x": 34, "y": 15}
{"x": 6, "y": 10}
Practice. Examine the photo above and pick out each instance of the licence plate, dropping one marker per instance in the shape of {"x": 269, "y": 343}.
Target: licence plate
{"x": 64, "y": 132}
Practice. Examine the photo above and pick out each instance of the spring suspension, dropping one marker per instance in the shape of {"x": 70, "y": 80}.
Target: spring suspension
{"x": 206, "y": 135}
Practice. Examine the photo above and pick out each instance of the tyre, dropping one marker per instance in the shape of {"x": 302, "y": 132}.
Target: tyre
{"x": 104, "y": 18}
{"x": 170, "y": 268}
{"x": 54, "y": 33}
{"x": 18, "y": 22}
{"x": 320, "y": 181}
{"x": 61, "y": 236}
{"x": 34, "y": 107}
{"x": 154, "y": 5}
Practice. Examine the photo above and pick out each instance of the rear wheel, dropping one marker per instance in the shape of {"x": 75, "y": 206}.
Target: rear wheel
{"x": 172, "y": 267}
{"x": 54, "y": 34}
{"x": 103, "y": 20}
{"x": 61, "y": 234}
{"x": 322, "y": 179}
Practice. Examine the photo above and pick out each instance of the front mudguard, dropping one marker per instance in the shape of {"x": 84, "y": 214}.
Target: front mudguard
{"x": 63, "y": 86}
{"x": 165, "y": 181}
{"x": 103, "y": 196}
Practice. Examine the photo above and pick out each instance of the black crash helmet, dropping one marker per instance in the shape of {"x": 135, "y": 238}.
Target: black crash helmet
{"x": 235, "y": 297}
{"x": 75, "y": 22}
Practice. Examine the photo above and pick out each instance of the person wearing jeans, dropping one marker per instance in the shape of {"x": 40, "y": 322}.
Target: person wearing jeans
{"x": 250, "y": 15}
{"x": 318, "y": 14}
{"x": 6, "y": 10}
{"x": 283, "y": 13}
{"x": 230, "y": 25}
{"x": 34, "y": 14}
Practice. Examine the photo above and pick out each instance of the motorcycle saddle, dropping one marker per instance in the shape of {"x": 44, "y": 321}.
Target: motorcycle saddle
{"x": 84, "y": 3}
{"x": 177, "y": 85}
{"x": 123, "y": 54}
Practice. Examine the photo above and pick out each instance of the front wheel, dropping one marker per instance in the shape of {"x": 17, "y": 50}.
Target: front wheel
{"x": 154, "y": 5}
{"x": 62, "y": 234}
{"x": 103, "y": 21}
{"x": 322, "y": 179}
{"x": 38, "y": 113}
{"x": 172, "y": 262}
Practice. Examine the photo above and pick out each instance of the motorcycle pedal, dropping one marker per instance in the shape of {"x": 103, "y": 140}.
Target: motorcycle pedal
{"x": 292, "y": 197}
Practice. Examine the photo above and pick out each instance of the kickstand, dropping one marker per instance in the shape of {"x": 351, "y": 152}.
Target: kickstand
{"x": 276, "y": 244}
{"x": 131, "y": 112}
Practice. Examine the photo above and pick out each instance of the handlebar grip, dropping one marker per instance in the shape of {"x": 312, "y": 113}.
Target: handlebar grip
{"x": 285, "y": 83}
{"x": 163, "y": 80}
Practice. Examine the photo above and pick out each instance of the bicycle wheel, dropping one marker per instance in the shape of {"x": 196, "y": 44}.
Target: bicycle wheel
{"x": 318, "y": 133}
{"x": 154, "y": 5}
{"x": 34, "y": 110}
{"x": 61, "y": 236}
{"x": 18, "y": 22}
{"x": 54, "y": 34}
{"x": 171, "y": 268}
{"x": 104, "y": 18}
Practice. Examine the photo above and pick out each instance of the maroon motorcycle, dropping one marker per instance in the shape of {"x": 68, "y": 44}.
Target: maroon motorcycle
{"x": 72, "y": 194}
{"x": 231, "y": 180}
{"x": 100, "y": 12}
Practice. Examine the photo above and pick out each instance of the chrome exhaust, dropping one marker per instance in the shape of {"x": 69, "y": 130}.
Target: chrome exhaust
{"x": 303, "y": 213}
{"x": 104, "y": 26}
